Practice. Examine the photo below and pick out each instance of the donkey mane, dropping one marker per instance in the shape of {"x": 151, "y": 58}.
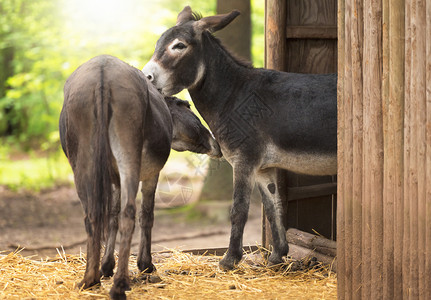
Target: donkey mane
{"x": 238, "y": 60}
{"x": 196, "y": 15}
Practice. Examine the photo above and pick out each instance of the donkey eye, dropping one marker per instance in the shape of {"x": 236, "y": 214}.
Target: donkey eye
{"x": 179, "y": 46}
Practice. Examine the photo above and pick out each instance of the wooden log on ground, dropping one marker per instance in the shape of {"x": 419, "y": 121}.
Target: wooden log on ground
{"x": 314, "y": 242}
{"x": 299, "y": 253}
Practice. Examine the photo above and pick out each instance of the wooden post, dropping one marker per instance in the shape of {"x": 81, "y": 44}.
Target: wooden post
{"x": 393, "y": 108}
{"x": 407, "y": 151}
{"x": 342, "y": 134}
{"x": 357, "y": 37}
{"x": 427, "y": 273}
{"x": 275, "y": 35}
{"x": 275, "y": 49}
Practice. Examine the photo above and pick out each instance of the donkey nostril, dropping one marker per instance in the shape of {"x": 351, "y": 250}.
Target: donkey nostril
{"x": 150, "y": 77}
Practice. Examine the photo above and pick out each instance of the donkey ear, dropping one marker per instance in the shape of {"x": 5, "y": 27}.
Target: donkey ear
{"x": 215, "y": 23}
{"x": 185, "y": 15}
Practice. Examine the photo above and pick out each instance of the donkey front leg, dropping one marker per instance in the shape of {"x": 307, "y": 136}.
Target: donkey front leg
{"x": 267, "y": 183}
{"x": 243, "y": 186}
{"x": 146, "y": 220}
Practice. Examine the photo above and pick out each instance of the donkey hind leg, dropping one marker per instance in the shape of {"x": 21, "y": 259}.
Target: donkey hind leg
{"x": 92, "y": 274}
{"x": 128, "y": 157}
{"x": 108, "y": 260}
{"x": 146, "y": 220}
{"x": 242, "y": 186}
{"x": 267, "y": 183}
{"x": 129, "y": 189}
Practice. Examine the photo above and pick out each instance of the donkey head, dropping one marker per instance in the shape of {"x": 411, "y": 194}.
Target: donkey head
{"x": 188, "y": 131}
{"x": 177, "y": 62}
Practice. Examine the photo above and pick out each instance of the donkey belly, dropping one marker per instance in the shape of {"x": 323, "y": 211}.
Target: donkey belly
{"x": 311, "y": 163}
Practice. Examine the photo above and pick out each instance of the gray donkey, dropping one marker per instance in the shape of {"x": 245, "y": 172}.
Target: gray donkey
{"x": 116, "y": 130}
{"x": 262, "y": 119}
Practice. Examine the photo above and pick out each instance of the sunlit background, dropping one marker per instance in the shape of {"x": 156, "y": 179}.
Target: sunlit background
{"x": 43, "y": 41}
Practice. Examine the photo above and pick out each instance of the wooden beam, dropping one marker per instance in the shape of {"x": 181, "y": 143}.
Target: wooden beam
{"x": 310, "y": 191}
{"x": 219, "y": 251}
{"x": 311, "y": 32}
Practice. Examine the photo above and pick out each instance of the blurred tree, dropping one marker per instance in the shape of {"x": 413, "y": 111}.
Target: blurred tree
{"x": 237, "y": 37}
{"x": 28, "y": 81}
{"x": 6, "y": 71}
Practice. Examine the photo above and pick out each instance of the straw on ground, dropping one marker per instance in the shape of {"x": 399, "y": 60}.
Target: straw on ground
{"x": 179, "y": 276}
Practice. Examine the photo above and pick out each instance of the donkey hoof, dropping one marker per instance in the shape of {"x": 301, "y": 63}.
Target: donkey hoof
{"x": 119, "y": 288}
{"x": 146, "y": 268}
{"x": 107, "y": 269}
{"x": 229, "y": 262}
{"x": 106, "y": 273}
{"x": 121, "y": 285}
{"x": 117, "y": 295}
{"x": 86, "y": 284}
{"x": 274, "y": 260}
{"x": 274, "y": 266}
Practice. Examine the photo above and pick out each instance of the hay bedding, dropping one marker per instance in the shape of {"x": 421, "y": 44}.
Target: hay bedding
{"x": 180, "y": 276}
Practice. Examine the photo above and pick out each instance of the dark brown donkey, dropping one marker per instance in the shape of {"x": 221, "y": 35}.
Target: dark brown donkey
{"x": 116, "y": 130}
{"x": 262, "y": 119}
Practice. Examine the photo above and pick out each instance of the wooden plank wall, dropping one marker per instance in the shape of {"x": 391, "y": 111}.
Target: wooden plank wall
{"x": 384, "y": 144}
{"x": 311, "y": 32}
{"x": 311, "y": 47}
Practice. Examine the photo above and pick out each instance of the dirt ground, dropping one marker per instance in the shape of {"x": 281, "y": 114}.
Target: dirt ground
{"x": 42, "y": 222}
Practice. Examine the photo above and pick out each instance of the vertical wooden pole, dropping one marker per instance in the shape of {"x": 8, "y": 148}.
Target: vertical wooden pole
{"x": 427, "y": 272}
{"x": 357, "y": 37}
{"x": 373, "y": 139}
{"x": 413, "y": 168}
{"x": 348, "y": 151}
{"x": 275, "y": 34}
{"x": 407, "y": 154}
{"x": 388, "y": 211}
{"x": 393, "y": 165}
{"x": 419, "y": 63}
{"x": 275, "y": 58}
{"x": 341, "y": 195}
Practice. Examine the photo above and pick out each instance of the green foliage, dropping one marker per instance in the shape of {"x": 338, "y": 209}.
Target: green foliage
{"x": 43, "y": 41}
{"x": 35, "y": 172}
{"x": 258, "y": 32}
{"x": 32, "y": 80}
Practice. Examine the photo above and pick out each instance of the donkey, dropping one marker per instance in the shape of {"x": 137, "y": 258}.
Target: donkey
{"x": 116, "y": 130}
{"x": 262, "y": 119}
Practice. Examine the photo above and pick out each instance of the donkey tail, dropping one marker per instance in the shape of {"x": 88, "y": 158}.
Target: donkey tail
{"x": 100, "y": 204}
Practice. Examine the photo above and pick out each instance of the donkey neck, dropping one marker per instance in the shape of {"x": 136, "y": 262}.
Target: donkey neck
{"x": 224, "y": 81}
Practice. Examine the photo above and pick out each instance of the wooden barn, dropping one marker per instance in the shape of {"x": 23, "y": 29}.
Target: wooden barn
{"x": 381, "y": 51}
